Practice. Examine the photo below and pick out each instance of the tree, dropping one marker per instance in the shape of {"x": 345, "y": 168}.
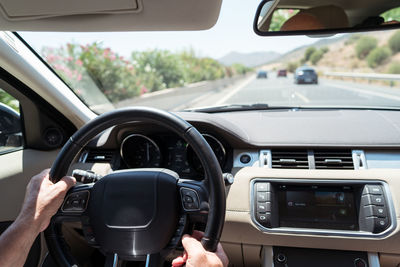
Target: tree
{"x": 365, "y": 45}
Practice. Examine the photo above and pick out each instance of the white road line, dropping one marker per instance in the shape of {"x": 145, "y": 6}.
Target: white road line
{"x": 235, "y": 90}
{"x": 368, "y": 92}
{"x": 302, "y": 97}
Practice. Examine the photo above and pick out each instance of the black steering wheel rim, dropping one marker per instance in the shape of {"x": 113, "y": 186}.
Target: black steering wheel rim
{"x": 80, "y": 139}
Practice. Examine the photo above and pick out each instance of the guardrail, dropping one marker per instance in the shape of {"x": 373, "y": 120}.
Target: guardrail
{"x": 368, "y": 76}
{"x": 168, "y": 98}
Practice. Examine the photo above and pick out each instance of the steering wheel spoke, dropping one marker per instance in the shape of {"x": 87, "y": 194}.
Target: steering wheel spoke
{"x": 194, "y": 198}
{"x": 75, "y": 203}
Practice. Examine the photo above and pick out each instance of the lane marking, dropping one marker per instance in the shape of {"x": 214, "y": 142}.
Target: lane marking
{"x": 363, "y": 91}
{"x": 302, "y": 97}
{"x": 235, "y": 90}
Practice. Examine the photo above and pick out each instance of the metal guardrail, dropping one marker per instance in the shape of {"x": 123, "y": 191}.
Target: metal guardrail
{"x": 368, "y": 76}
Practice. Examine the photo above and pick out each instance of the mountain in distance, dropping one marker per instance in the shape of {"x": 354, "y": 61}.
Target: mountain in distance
{"x": 249, "y": 59}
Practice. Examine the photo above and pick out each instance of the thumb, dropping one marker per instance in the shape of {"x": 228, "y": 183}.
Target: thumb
{"x": 191, "y": 245}
{"x": 65, "y": 183}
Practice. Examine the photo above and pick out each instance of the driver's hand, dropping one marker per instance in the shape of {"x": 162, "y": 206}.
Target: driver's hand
{"x": 43, "y": 198}
{"x": 196, "y": 255}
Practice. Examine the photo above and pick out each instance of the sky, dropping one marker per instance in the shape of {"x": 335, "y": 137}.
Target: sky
{"x": 232, "y": 32}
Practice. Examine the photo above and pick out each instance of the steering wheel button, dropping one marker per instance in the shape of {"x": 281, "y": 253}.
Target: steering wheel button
{"x": 188, "y": 199}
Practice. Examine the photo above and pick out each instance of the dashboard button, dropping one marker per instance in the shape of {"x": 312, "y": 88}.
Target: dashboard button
{"x": 263, "y": 187}
{"x": 264, "y": 218}
{"x": 373, "y": 190}
{"x": 264, "y": 207}
{"x": 377, "y": 200}
{"x": 245, "y": 158}
{"x": 379, "y": 211}
{"x": 359, "y": 263}
{"x": 380, "y": 224}
{"x": 376, "y": 211}
{"x": 263, "y": 196}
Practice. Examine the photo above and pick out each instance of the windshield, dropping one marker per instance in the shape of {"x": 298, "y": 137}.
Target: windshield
{"x": 226, "y": 65}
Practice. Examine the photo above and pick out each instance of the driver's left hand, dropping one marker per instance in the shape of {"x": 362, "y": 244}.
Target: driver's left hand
{"x": 43, "y": 198}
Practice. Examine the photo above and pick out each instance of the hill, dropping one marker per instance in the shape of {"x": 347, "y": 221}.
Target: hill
{"x": 249, "y": 59}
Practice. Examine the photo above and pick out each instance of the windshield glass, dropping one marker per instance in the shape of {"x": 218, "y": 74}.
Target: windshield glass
{"x": 226, "y": 65}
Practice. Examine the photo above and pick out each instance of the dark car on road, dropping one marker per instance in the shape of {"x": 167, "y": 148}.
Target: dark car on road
{"x": 281, "y": 73}
{"x": 262, "y": 74}
{"x": 305, "y": 75}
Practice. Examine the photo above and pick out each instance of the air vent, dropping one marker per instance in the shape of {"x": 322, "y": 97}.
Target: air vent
{"x": 96, "y": 156}
{"x": 294, "y": 159}
{"x": 333, "y": 159}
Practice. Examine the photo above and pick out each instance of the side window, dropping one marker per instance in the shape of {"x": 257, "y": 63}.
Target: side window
{"x": 10, "y": 123}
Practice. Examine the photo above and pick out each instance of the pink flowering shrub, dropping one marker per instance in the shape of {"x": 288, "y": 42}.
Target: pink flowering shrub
{"x": 86, "y": 68}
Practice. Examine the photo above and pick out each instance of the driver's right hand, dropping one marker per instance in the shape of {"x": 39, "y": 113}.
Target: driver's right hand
{"x": 196, "y": 255}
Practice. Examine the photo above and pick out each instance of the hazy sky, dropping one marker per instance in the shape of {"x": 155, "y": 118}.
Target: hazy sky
{"x": 233, "y": 32}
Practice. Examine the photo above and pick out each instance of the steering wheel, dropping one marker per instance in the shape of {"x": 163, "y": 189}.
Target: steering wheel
{"x": 138, "y": 213}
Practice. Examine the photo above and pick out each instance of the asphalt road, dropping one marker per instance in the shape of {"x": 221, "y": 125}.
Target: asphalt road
{"x": 283, "y": 92}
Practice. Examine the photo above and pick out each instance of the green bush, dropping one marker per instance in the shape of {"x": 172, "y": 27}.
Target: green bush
{"x": 292, "y": 66}
{"x": 377, "y": 56}
{"x": 365, "y": 45}
{"x": 308, "y": 53}
{"x": 8, "y": 100}
{"x": 394, "y": 68}
{"x": 325, "y": 49}
{"x": 316, "y": 56}
{"x": 240, "y": 69}
{"x": 394, "y": 42}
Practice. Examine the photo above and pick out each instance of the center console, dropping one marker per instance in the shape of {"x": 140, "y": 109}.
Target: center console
{"x": 334, "y": 207}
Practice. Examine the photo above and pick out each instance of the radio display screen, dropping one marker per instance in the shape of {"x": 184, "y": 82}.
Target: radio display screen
{"x": 322, "y": 207}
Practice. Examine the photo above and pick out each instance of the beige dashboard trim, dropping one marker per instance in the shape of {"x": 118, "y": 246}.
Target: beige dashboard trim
{"x": 239, "y": 227}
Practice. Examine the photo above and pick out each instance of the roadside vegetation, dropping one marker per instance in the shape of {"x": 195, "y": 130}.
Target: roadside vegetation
{"x": 119, "y": 78}
{"x": 10, "y": 101}
{"x": 357, "y": 53}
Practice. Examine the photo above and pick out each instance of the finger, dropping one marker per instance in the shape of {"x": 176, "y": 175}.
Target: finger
{"x": 65, "y": 183}
{"x": 197, "y": 234}
{"x": 191, "y": 245}
{"x": 178, "y": 261}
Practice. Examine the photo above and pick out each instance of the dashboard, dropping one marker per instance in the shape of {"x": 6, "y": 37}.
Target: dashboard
{"x": 319, "y": 165}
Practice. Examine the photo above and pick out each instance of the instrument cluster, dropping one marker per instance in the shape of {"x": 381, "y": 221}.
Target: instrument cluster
{"x": 167, "y": 151}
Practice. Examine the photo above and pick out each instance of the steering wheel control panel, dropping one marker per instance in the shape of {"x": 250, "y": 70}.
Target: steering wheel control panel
{"x": 342, "y": 207}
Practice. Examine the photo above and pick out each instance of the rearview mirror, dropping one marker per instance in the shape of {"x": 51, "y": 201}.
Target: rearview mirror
{"x": 299, "y": 17}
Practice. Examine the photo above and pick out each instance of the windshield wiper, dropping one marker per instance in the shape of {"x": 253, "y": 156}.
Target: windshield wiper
{"x": 237, "y": 107}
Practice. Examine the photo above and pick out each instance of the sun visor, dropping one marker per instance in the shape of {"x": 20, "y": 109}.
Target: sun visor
{"x": 108, "y": 15}
{"x": 25, "y": 10}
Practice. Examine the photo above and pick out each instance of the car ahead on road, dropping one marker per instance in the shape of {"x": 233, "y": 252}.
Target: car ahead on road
{"x": 262, "y": 74}
{"x": 281, "y": 175}
{"x": 305, "y": 75}
{"x": 281, "y": 73}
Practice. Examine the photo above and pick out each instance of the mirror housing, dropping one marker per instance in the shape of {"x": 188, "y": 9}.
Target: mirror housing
{"x": 315, "y": 21}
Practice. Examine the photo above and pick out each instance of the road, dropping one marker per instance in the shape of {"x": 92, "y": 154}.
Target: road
{"x": 283, "y": 92}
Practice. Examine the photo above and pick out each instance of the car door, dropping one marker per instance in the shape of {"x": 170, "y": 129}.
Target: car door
{"x": 31, "y": 133}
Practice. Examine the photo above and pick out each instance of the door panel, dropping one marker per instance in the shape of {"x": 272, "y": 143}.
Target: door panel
{"x": 17, "y": 169}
